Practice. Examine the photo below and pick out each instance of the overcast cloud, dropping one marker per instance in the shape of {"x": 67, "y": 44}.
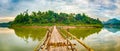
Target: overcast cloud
{"x": 103, "y": 9}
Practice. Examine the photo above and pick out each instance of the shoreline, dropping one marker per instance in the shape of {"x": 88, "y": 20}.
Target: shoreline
{"x": 65, "y": 27}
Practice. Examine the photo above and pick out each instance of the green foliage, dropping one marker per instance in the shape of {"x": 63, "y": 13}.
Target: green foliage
{"x": 54, "y": 18}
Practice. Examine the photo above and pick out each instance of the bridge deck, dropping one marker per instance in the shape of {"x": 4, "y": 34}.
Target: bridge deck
{"x": 54, "y": 41}
{"x": 57, "y": 42}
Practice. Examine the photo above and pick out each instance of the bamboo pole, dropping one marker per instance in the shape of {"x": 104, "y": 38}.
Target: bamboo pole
{"x": 72, "y": 46}
{"x": 48, "y": 38}
{"x": 89, "y": 49}
{"x": 40, "y": 43}
{"x": 49, "y": 31}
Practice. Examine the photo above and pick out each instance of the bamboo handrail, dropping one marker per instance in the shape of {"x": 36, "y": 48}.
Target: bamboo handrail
{"x": 66, "y": 39}
{"x": 87, "y": 47}
{"x": 37, "y": 48}
{"x": 39, "y": 44}
{"x": 48, "y": 38}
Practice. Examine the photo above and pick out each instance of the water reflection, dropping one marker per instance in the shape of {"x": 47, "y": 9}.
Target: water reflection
{"x": 33, "y": 33}
{"x": 104, "y": 41}
{"x": 9, "y": 41}
{"x": 84, "y": 32}
{"x": 113, "y": 29}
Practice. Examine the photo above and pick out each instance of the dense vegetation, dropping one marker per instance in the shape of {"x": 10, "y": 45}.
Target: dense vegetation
{"x": 52, "y": 18}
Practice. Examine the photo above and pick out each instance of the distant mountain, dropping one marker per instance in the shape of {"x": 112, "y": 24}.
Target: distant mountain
{"x": 113, "y": 21}
{"x": 4, "y": 24}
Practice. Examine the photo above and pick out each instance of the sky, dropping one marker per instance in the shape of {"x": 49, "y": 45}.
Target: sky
{"x": 102, "y": 9}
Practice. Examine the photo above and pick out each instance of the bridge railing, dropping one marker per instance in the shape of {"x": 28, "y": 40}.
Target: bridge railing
{"x": 42, "y": 45}
{"x": 68, "y": 41}
{"x": 83, "y": 44}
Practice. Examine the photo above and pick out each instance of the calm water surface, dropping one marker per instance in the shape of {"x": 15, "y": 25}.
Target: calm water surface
{"x": 105, "y": 39}
{"x": 20, "y": 39}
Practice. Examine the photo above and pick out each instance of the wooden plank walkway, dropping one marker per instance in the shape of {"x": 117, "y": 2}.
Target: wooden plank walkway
{"x": 57, "y": 42}
{"x": 54, "y": 41}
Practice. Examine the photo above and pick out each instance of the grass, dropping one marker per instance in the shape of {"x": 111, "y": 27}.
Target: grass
{"x": 58, "y": 24}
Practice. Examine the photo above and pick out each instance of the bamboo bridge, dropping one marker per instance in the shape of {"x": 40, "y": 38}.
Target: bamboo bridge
{"x": 54, "y": 41}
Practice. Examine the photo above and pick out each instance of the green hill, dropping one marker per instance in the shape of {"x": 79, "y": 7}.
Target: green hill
{"x": 49, "y": 18}
{"x": 113, "y": 21}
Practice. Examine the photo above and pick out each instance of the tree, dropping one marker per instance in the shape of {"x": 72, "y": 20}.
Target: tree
{"x": 52, "y": 17}
{"x": 78, "y": 17}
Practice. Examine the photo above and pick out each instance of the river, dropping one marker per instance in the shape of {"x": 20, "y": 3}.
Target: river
{"x": 105, "y": 39}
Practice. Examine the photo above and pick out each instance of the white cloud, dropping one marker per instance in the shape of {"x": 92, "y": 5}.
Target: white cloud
{"x": 102, "y": 9}
{"x": 6, "y": 19}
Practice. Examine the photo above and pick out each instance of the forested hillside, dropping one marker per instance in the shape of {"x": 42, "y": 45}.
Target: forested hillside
{"x": 52, "y": 18}
{"x": 113, "y": 21}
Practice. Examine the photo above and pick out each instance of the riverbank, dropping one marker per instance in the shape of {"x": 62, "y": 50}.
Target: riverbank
{"x": 61, "y": 26}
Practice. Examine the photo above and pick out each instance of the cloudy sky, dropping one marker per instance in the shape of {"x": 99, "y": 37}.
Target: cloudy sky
{"x": 103, "y": 9}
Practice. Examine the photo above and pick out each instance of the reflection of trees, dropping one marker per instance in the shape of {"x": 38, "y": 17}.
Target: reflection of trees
{"x": 84, "y": 32}
{"x": 33, "y": 33}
